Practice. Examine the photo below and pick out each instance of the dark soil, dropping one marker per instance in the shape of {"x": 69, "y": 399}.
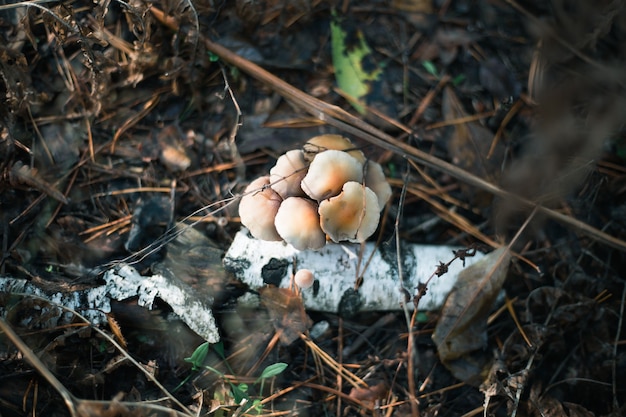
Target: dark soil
{"x": 121, "y": 119}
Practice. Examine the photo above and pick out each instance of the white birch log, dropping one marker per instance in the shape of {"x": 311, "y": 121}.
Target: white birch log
{"x": 122, "y": 282}
{"x": 258, "y": 263}
{"x": 336, "y": 267}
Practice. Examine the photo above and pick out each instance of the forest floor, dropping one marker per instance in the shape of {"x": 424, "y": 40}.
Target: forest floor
{"x": 497, "y": 123}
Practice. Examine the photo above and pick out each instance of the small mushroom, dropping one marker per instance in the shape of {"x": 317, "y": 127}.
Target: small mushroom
{"x": 328, "y": 172}
{"x": 304, "y": 278}
{"x": 352, "y": 215}
{"x": 376, "y": 181}
{"x": 298, "y": 223}
{"x": 287, "y": 174}
{"x": 258, "y": 208}
{"x": 323, "y": 143}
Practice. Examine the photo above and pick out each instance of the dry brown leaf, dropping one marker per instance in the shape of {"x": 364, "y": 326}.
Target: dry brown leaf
{"x": 469, "y": 145}
{"x": 462, "y": 328}
{"x": 30, "y": 176}
{"x": 174, "y": 158}
{"x": 370, "y": 395}
{"x": 117, "y": 331}
{"x": 172, "y": 149}
{"x": 286, "y": 312}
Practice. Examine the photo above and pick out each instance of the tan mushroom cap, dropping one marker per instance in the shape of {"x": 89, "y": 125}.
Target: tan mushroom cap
{"x": 352, "y": 215}
{"x": 258, "y": 208}
{"x": 304, "y": 278}
{"x": 298, "y": 223}
{"x": 375, "y": 180}
{"x": 328, "y": 172}
{"x": 323, "y": 143}
{"x": 287, "y": 174}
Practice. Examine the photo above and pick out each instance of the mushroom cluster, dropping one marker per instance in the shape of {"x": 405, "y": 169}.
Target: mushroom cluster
{"x": 327, "y": 189}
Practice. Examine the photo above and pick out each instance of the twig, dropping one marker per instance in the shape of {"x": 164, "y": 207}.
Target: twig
{"x": 234, "y": 151}
{"x": 410, "y": 352}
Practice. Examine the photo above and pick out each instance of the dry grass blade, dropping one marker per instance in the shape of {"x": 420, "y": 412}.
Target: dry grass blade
{"x": 453, "y": 218}
{"x": 354, "y": 380}
{"x": 520, "y": 328}
{"x": 147, "y": 107}
{"x": 509, "y": 116}
{"x": 107, "y": 228}
{"x": 338, "y": 394}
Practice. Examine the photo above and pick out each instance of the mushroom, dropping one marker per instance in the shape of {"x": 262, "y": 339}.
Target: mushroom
{"x": 304, "y": 278}
{"x": 376, "y": 181}
{"x": 323, "y": 143}
{"x": 352, "y": 215}
{"x": 287, "y": 174}
{"x": 258, "y": 208}
{"x": 298, "y": 223}
{"x": 328, "y": 172}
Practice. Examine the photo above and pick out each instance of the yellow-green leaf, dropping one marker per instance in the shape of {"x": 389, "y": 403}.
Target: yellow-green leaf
{"x": 352, "y": 75}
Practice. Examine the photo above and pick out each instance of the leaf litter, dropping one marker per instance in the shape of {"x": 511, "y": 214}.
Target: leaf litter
{"x": 111, "y": 105}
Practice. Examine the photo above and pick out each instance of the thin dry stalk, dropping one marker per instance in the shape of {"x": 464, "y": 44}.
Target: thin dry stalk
{"x": 352, "y": 379}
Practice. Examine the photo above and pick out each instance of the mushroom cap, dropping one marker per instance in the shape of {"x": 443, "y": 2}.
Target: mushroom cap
{"x": 328, "y": 172}
{"x": 304, "y": 278}
{"x": 352, "y": 215}
{"x": 258, "y": 208}
{"x": 298, "y": 223}
{"x": 323, "y": 143}
{"x": 376, "y": 181}
{"x": 287, "y": 174}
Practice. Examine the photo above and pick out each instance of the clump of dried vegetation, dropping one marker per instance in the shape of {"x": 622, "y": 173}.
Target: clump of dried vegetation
{"x": 120, "y": 119}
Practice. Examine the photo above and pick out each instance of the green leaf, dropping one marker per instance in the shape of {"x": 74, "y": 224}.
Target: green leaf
{"x": 422, "y": 317}
{"x": 257, "y": 406}
{"x": 458, "y": 79}
{"x": 238, "y": 393}
{"x": 272, "y": 370}
{"x": 210, "y": 368}
{"x": 350, "y": 62}
{"x": 430, "y": 68}
{"x": 219, "y": 349}
{"x": 198, "y": 356}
